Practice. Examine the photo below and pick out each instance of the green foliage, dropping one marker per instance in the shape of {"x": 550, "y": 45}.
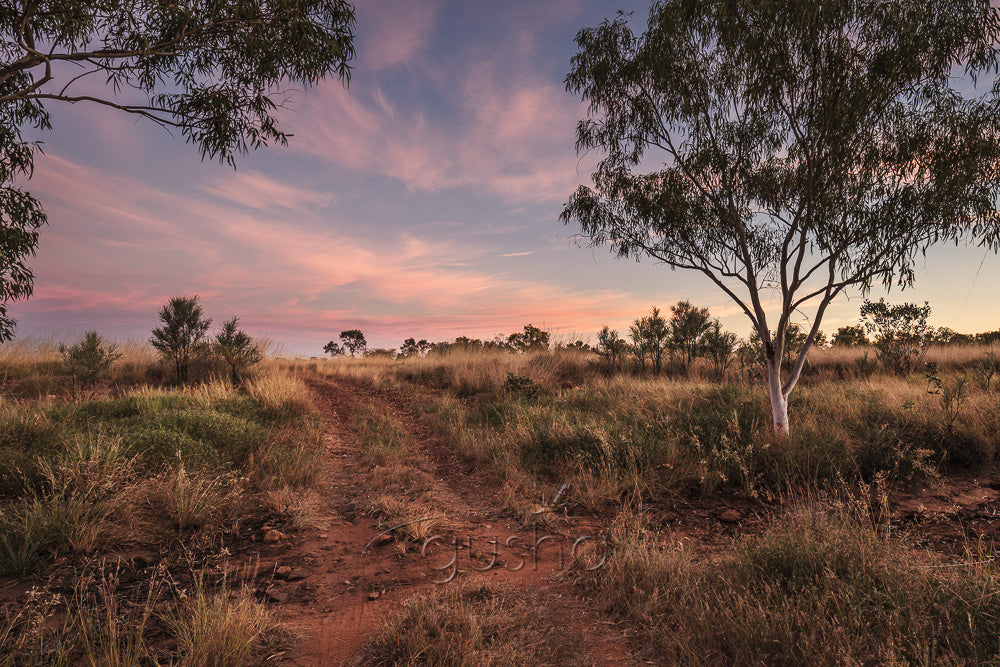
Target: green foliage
{"x": 182, "y": 336}
{"x": 414, "y": 348}
{"x": 531, "y": 339}
{"x": 806, "y": 147}
{"x": 89, "y": 358}
{"x": 899, "y": 333}
{"x": 334, "y": 349}
{"x": 850, "y": 336}
{"x": 650, "y": 336}
{"x": 521, "y": 385}
{"x": 21, "y": 215}
{"x": 795, "y": 340}
{"x": 576, "y": 345}
{"x": 352, "y": 341}
{"x": 611, "y": 347}
{"x": 719, "y": 346}
{"x": 688, "y": 327}
{"x": 237, "y": 348}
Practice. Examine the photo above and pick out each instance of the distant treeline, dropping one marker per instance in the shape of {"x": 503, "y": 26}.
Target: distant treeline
{"x": 899, "y": 333}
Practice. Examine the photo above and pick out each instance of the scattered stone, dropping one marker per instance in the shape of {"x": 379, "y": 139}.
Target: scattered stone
{"x": 273, "y": 536}
{"x": 730, "y": 516}
{"x": 283, "y": 571}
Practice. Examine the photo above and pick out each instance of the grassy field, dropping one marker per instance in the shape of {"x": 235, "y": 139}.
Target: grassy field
{"x": 827, "y": 580}
{"x": 90, "y": 476}
{"x": 551, "y": 418}
{"x": 135, "y": 466}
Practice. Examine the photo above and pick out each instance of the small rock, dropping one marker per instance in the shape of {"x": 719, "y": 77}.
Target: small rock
{"x": 276, "y": 596}
{"x": 375, "y": 595}
{"x": 730, "y": 516}
{"x": 283, "y": 571}
{"x": 296, "y": 575}
{"x": 385, "y": 538}
{"x": 323, "y": 536}
{"x": 347, "y": 582}
{"x": 272, "y": 536}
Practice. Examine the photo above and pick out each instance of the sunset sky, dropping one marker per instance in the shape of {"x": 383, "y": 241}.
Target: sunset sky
{"x": 422, "y": 200}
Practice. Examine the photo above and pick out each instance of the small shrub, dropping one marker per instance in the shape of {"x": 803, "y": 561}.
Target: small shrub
{"x": 611, "y": 347}
{"x": 237, "y": 348}
{"x": 985, "y": 370}
{"x": 900, "y": 333}
{"x": 687, "y": 329}
{"x": 865, "y": 367}
{"x": 953, "y": 396}
{"x": 90, "y": 358}
{"x": 182, "y": 336}
{"x": 719, "y": 347}
{"x": 521, "y": 385}
{"x": 650, "y": 338}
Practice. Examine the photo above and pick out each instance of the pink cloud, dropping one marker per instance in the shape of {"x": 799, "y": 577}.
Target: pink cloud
{"x": 65, "y": 297}
{"x": 515, "y": 141}
{"x": 256, "y": 190}
{"x": 393, "y": 32}
{"x": 146, "y": 244}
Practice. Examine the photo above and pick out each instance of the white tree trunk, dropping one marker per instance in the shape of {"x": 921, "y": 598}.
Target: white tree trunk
{"x": 779, "y": 404}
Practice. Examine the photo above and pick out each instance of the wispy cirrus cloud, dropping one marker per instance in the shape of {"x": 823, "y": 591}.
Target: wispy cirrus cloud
{"x": 393, "y": 32}
{"x": 515, "y": 142}
{"x": 482, "y": 119}
{"x": 255, "y": 190}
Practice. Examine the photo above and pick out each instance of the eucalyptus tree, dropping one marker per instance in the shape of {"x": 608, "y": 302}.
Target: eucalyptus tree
{"x": 211, "y": 71}
{"x": 789, "y": 151}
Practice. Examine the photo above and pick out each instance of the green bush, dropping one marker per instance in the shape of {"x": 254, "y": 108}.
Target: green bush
{"x": 90, "y": 358}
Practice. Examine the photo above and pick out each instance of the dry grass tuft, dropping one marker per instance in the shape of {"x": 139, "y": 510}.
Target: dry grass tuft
{"x": 226, "y": 628}
{"x": 301, "y": 510}
{"x": 473, "y": 624}
{"x": 189, "y": 500}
